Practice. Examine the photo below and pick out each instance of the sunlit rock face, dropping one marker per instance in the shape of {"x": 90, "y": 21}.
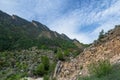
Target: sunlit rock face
{"x": 106, "y": 48}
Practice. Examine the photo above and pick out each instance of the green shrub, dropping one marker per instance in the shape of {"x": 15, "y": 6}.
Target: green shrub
{"x": 13, "y": 77}
{"x": 60, "y": 55}
{"x": 101, "y": 68}
{"x": 40, "y": 70}
{"x": 101, "y": 35}
{"x": 46, "y": 77}
{"x": 44, "y": 67}
{"x": 66, "y": 53}
{"x": 52, "y": 68}
{"x": 114, "y": 75}
{"x": 46, "y": 62}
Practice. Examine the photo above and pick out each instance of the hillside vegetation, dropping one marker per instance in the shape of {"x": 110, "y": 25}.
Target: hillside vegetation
{"x": 30, "y": 49}
{"x": 103, "y": 71}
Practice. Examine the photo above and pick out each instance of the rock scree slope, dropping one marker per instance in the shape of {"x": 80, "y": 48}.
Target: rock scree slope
{"x": 106, "y": 48}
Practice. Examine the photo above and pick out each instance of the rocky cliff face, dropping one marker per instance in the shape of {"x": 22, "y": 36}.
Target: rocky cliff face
{"x": 106, "y": 48}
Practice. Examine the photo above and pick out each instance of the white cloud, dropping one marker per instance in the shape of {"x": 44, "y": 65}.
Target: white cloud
{"x": 74, "y": 20}
{"x": 7, "y": 5}
{"x": 106, "y": 13}
{"x": 108, "y": 18}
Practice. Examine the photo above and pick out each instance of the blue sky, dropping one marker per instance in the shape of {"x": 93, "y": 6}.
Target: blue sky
{"x": 80, "y": 19}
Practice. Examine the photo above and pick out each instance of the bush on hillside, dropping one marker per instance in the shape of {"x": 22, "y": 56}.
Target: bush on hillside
{"x": 40, "y": 71}
{"x": 66, "y": 53}
{"x": 46, "y": 62}
{"x": 101, "y": 68}
{"x": 101, "y": 35}
{"x": 46, "y": 77}
{"x": 14, "y": 77}
{"x": 60, "y": 55}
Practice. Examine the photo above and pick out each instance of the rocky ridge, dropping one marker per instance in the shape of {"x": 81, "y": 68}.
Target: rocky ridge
{"x": 18, "y": 33}
{"x": 106, "y": 48}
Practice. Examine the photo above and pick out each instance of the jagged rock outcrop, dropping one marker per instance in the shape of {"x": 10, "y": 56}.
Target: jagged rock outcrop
{"x": 106, "y": 48}
{"x": 77, "y": 43}
{"x": 57, "y": 69}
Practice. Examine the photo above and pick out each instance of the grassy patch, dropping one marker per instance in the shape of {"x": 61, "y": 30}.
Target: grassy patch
{"x": 100, "y": 68}
{"x": 104, "y": 72}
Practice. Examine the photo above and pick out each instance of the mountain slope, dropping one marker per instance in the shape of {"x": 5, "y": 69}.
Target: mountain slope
{"x": 31, "y": 49}
{"x": 18, "y": 33}
{"x": 108, "y": 47}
